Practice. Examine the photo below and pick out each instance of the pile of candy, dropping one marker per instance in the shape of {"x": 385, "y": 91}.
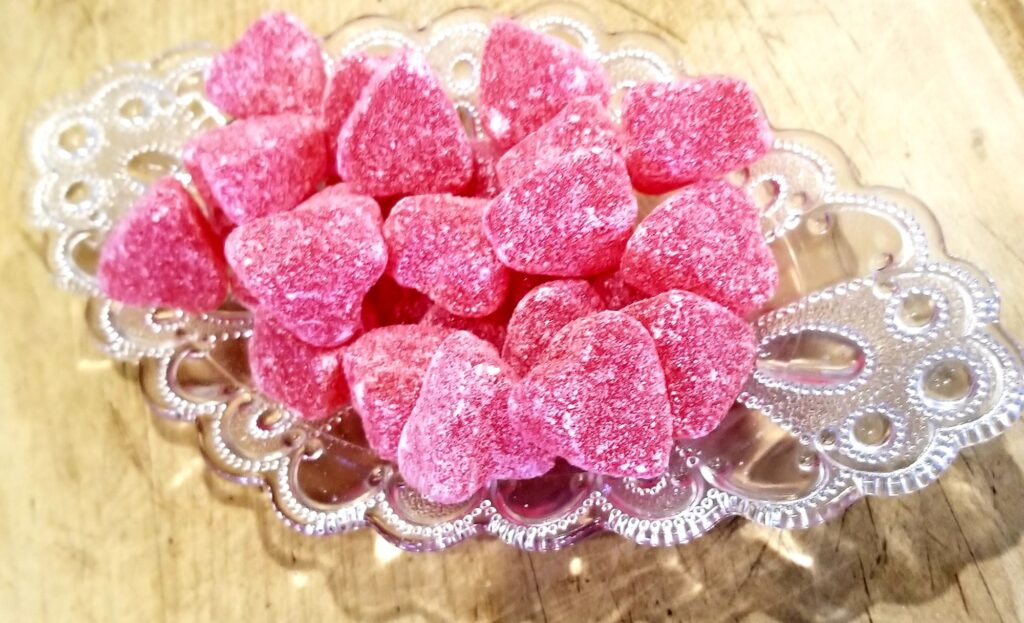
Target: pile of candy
{"x": 485, "y": 304}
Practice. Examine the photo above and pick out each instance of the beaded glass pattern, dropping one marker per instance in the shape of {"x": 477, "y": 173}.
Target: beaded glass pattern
{"x": 880, "y": 356}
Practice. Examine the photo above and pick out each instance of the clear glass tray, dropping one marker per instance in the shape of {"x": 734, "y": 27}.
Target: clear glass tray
{"x": 880, "y": 356}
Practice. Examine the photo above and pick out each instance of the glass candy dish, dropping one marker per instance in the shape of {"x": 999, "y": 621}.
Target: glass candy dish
{"x": 880, "y": 356}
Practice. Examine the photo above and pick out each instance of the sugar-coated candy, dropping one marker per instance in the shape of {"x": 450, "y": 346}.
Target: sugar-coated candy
{"x": 395, "y": 304}
{"x": 489, "y": 328}
{"x": 458, "y": 436}
{"x": 705, "y": 239}
{"x": 436, "y": 245}
{"x": 570, "y": 219}
{"x": 697, "y": 129}
{"x": 404, "y": 135}
{"x": 485, "y": 174}
{"x": 258, "y": 166}
{"x": 385, "y": 368}
{"x": 277, "y": 66}
{"x": 615, "y": 291}
{"x": 312, "y": 267}
{"x": 305, "y": 378}
{"x": 527, "y": 77}
{"x": 584, "y": 123}
{"x": 706, "y": 351}
{"x": 597, "y": 398}
{"x": 541, "y": 314}
{"x": 164, "y": 253}
{"x": 352, "y": 73}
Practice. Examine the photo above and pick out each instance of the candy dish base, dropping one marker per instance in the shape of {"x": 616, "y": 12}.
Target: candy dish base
{"x": 880, "y": 356}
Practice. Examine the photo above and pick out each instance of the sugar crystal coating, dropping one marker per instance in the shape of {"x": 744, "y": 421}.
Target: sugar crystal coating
{"x": 311, "y": 267}
{"x": 305, "y": 378}
{"x": 275, "y": 67}
{"x": 615, "y": 291}
{"x": 527, "y": 77}
{"x": 436, "y": 245}
{"x": 584, "y": 123}
{"x": 458, "y": 436}
{"x": 164, "y": 253}
{"x": 706, "y": 352}
{"x": 541, "y": 314}
{"x": 569, "y": 219}
{"x": 705, "y": 239}
{"x": 488, "y": 328}
{"x": 385, "y": 369}
{"x": 597, "y": 398}
{"x": 696, "y": 129}
{"x": 258, "y": 166}
{"x": 351, "y": 74}
{"x": 404, "y": 136}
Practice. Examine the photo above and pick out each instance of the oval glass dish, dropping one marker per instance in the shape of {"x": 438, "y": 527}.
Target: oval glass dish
{"x": 880, "y": 355}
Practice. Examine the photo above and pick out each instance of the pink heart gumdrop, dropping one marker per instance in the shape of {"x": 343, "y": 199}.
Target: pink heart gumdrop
{"x": 436, "y": 245}
{"x": 597, "y": 398}
{"x": 706, "y": 352}
{"x": 458, "y": 436}
{"x": 584, "y": 123}
{"x": 258, "y": 166}
{"x": 404, "y": 136}
{"x": 276, "y": 66}
{"x": 352, "y": 73}
{"x": 527, "y": 77}
{"x": 385, "y": 369}
{"x": 697, "y": 129}
{"x": 311, "y": 267}
{"x": 305, "y": 378}
{"x": 705, "y": 239}
{"x": 164, "y": 253}
{"x": 570, "y": 219}
{"x": 541, "y": 314}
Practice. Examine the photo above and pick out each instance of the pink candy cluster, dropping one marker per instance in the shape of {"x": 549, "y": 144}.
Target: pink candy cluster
{"x": 485, "y": 304}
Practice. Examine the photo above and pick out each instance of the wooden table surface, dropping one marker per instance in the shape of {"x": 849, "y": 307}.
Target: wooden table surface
{"x": 108, "y": 515}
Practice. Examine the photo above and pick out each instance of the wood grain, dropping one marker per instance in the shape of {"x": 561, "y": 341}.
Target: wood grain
{"x": 108, "y": 515}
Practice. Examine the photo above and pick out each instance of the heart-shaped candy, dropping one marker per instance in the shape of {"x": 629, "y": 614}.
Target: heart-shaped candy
{"x": 404, "y": 136}
{"x": 276, "y": 66}
{"x": 527, "y": 77}
{"x": 352, "y": 73}
{"x": 164, "y": 253}
{"x": 706, "y": 352}
{"x": 584, "y": 123}
{"x": 597, "y": 398}
{"x": 306, "y": 378}
{"x": 258, "y": 166}
{"x": 436, "y": 245}
{"x": 697, "y": 129}
{"x": 541, "y": 314}
{"x": 570, "y": 219}
{"x": 458, "y": 436}
{"x": 385, "y": 369}
{"x": 311, "y": 267}
{"x": 705, "y": 239}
